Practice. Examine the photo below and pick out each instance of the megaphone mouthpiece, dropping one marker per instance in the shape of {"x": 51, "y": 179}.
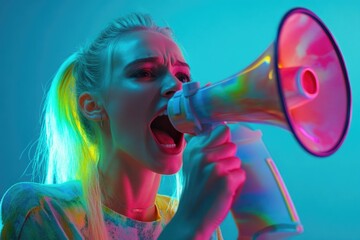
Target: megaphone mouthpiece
{"x": 301, "y": 86}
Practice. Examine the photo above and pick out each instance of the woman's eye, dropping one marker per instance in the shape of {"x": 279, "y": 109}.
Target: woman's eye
{"x": 183, "y": 77}
{"x": 144, "y": 74}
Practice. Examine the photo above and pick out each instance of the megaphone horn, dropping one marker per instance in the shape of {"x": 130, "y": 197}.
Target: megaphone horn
{"x": 299, "y": 83}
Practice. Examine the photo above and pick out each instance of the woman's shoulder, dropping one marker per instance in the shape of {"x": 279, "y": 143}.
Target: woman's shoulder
{"x": 23, "y": 198}
{"x": 30, "y": 194}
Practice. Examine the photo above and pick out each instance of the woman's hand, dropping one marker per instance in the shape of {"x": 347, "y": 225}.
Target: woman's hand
{"x": 213, "y": 177}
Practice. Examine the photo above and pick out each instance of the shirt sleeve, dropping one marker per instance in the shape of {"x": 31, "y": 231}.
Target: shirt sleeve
{"x": 41, "y": 224}
{"x": 15, "y": 205}
{"x": 26, "y": 213}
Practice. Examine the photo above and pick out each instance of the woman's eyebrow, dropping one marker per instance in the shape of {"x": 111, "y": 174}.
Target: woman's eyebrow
{"x": 182, "y": 64}
{"x": 140, "y": 61}
{"x": 155, "y": 60}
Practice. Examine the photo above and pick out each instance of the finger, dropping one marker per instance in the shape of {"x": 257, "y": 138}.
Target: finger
{"x": 222, "y": 167}
{"x": 230, "y": 164}
{"x": 218, "y": 136}
{"x": 216, "y": 153}
{"x": 239, "y": 178}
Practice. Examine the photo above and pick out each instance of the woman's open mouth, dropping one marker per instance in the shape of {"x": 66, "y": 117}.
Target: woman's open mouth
{"x": 169, "y": 140}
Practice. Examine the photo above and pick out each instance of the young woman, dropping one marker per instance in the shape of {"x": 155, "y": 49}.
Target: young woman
{"x": 106, "y": 142}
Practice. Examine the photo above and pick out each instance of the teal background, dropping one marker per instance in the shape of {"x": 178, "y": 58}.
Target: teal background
{"x": 219, "y": 38}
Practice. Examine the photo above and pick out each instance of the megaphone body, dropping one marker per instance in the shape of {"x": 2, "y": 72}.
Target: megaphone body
{"x": 299, "y": 83}
{"x": 249, "y": 96}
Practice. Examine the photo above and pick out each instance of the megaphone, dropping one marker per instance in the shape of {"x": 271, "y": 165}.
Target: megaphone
{"x": 299, "y": 83}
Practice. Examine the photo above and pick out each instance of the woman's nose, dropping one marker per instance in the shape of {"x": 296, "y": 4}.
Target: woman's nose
{"x": 170, "y": 85}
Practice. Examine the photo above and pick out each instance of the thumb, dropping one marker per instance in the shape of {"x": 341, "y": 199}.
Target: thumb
{"x": 188, "y": 137}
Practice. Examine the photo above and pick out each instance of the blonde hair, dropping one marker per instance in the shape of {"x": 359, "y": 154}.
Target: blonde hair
{"x": 70, "y": 146}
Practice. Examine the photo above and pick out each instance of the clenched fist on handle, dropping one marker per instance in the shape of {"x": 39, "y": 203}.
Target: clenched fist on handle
{"x": 213, "y": 178}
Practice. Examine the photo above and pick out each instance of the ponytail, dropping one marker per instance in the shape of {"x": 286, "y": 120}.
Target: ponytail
{"x": 65, "y": 151}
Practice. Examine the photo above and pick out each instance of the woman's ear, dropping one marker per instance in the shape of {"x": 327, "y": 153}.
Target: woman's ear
{"x": 90, "y": 108}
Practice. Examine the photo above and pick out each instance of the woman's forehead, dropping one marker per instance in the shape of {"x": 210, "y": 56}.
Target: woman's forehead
{"x": 146, "y": 44}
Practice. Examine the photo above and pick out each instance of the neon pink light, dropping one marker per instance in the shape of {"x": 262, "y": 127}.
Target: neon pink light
{"x": 285, "y": 193}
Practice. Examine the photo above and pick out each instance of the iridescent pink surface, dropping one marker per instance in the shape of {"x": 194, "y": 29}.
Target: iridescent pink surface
{"x": 321, "y": 124}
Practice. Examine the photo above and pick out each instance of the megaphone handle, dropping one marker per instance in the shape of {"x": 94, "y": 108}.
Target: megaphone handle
{"x": 208, "y": 127}
{"x": 264, "y": 209}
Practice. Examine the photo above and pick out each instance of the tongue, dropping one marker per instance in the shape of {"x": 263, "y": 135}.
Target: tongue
{"x": 163, "y": 137}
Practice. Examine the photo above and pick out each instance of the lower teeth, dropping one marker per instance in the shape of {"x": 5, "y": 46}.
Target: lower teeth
{"x": 169, "y": 145}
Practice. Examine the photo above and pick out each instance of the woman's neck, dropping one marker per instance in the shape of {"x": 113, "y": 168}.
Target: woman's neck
{"x": 128, "y": 187}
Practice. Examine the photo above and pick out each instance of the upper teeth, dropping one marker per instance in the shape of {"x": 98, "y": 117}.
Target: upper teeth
{"x": 163, "y": 113}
